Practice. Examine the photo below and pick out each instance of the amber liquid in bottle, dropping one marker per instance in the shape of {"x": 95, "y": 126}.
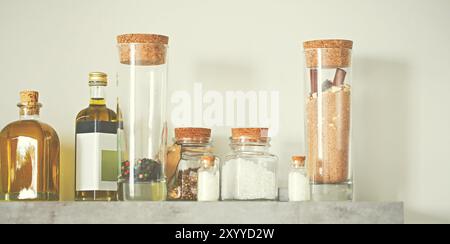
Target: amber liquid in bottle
{"x": 29, "y": 158}
{"x": 97, "y": 117}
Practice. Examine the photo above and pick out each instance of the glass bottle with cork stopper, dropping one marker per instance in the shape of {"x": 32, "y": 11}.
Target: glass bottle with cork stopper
{"x": 250, "y": 170}
{"x": 298, "y": 180}
{"x": 209, "y": 180}
{"x": 328, "y": 86}
{"x": 195, "y": 145}
{"x": 29, "y": 156}
{"x": 96, "y": 146}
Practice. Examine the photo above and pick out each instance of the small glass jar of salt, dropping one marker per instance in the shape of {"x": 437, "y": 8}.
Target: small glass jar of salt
{"x": 249, "y": 172}
{"x": 299, "y": 190}
{"x": 209, "y": 180}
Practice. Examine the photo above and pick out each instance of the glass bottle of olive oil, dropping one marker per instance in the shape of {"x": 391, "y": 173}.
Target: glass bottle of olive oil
{"x": 96, "y": 146}
{"x": 29, "y": 156}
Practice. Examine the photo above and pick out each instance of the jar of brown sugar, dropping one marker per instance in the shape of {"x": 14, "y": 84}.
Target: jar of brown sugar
{"x": 328, "y": 118}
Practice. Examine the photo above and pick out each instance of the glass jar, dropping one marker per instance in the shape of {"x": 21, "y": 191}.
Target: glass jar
{"x": 298, "y": 180}
{"x": 194, "y": 144}
{"x": 250, "y": 171}
{"x": 328, "y": 118}
{"x": 141, "y": 111}
{"x": 209, "y": 180}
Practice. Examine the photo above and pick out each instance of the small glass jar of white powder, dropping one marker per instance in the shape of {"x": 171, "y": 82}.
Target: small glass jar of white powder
{"x": 299, "y": 190}
{"x": 249, "y": 172}
{"x": 209, "y": 180}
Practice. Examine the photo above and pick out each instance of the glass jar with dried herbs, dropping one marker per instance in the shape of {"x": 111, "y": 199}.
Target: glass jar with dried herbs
{"x": 185, "y": 161}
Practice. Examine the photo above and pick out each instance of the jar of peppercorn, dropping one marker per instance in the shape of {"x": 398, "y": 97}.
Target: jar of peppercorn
{"x": 141, "y": 111}
{"x": 194, "y": 144}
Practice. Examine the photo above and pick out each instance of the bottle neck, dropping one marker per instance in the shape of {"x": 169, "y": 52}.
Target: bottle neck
{"x": 97, "y": 96}
{"x": 29, "y": 112}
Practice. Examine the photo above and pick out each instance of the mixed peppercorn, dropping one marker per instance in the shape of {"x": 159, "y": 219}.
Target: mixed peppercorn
{"x": 145, "y": 170}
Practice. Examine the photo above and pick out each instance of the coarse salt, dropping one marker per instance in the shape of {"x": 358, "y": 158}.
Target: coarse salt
{"x": 248, "y": 180}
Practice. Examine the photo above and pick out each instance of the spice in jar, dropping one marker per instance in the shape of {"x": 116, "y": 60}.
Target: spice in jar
{"x": 250, "y": 171}
{"x": 145, "y": 170}
{"x": 298, "y": 180}
{"x": 186, "y": 185}
{"x": 330, "y": 165}
{"x": 252, "y": 181}
{"x": 185, "y": 161}
{"x": 208, "y": 180}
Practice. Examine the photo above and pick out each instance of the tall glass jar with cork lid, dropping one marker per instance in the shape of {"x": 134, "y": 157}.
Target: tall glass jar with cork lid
{"x": 328, "y": 118}
{"x": 249, "y": 172}
{"x": 141, "y": 111}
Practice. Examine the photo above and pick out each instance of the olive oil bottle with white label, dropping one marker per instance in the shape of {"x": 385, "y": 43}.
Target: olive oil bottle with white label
{"x": 96, "y": 146}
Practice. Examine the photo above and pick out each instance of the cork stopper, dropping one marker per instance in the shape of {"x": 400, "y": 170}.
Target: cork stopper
{"x": 29, "y": 103}
{"x": 299, "y": 161}
{"x": 142, "y": 38}
{"x": 142, "y": 49}
{"x": 98, "y": 79}
{"x": 250, "y": 133}
{"x": 328, "y": 53}
{"x": 192, "y": 134}
{"x": 29, "y": 98}
{"x": 336, "y": 43}
{"x": 208, "y": 161}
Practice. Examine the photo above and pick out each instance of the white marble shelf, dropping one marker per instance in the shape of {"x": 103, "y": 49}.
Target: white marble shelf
{"x": 201, "y": 213}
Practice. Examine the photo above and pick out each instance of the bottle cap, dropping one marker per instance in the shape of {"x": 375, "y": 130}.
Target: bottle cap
{"x": 299, "y": 160}
{"x": 328, "y": 53}
{"x": 255, "y": 134}
{"x": 332, "y": 43}
{"x": 98, "y": 79}
{"x": 142, "y": 38}
{"x": 142, "y": 49}
{"x": 193, "y": 134}
{"x": 29, "y": 97}
{"x": 208, "y": 161}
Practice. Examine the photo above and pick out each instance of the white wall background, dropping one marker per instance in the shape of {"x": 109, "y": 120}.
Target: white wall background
{"x": 401, "y": 74}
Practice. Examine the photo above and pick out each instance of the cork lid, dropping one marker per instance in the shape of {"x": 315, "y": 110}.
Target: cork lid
{"x": 208, "y": 161}
{"x": 98, "y": 79}
{"x": 192, "y": 134}
{"x": 250, "y": 133}
{"x": 332, "y": 43}
{"x": 142, "y": 49}
{"x": 29, "y": 97}
{"x": 299, "y": 160}
{"x": 328, "y": 53}
{"x": 142, "y": 38}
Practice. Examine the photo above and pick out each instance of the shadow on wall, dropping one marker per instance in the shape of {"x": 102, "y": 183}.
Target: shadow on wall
{"x": 380, "y": 129}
